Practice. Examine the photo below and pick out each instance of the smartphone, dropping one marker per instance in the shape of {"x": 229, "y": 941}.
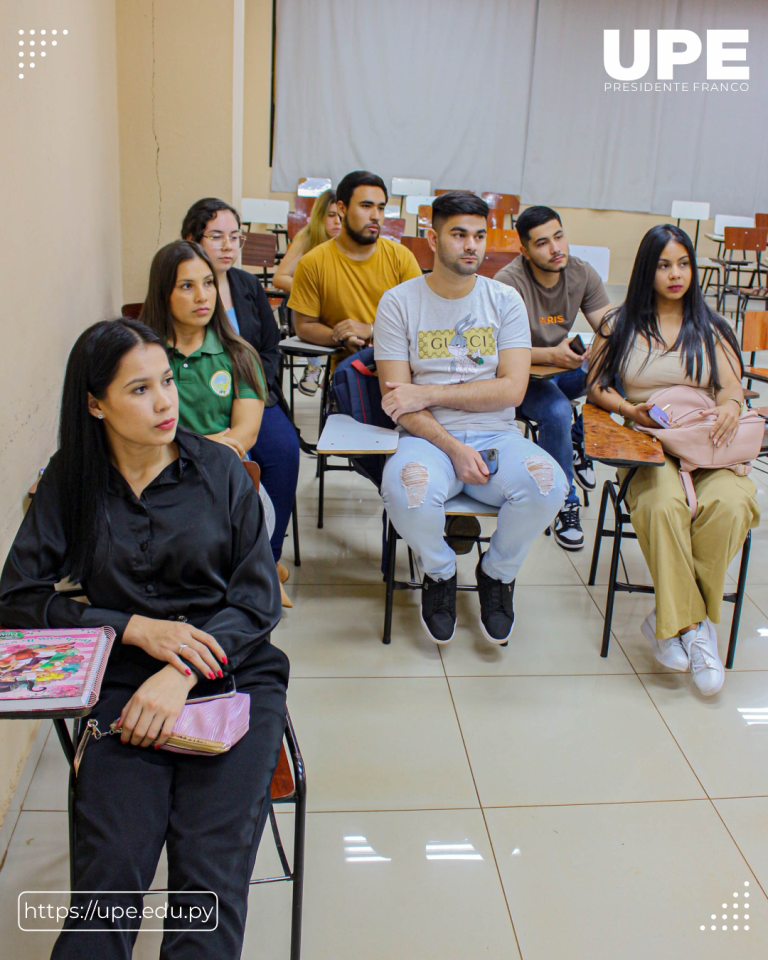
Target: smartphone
{"x": 207, "y": 689}
{"x": 659, "y": 416}
{"x": 490, "y": 459}
{"x": 577, "y": 345}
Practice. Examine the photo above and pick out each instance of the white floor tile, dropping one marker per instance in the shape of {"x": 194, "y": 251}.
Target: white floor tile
{"x": 555, "y": 740}
{"x": 628, "y": 881}
{"x": 722, "y": 737}
{"x": 376, "y": 744}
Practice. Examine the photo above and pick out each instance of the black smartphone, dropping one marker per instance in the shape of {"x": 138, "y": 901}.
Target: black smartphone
{"x": 577, "y": 345}
{"x": 208, "y": 689}
{"x": 490, "y": 459}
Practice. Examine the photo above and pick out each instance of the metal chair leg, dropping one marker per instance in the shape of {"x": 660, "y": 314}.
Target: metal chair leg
{"x": 321, "y": 491}
{"x": 390, "y": 592}
{"x": 739, "y": 600}
{"x": 611, "y": 595}
{"x": 295, "y": 524}
{"x": 598, "y": 535}
{"x": 297, "y": 905}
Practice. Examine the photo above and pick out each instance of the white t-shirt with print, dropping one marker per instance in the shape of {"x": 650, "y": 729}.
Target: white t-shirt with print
{"x": 453, "y": 341}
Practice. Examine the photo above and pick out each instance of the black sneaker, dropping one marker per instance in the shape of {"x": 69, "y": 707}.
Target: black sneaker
{"x": 497, "y": 615}
{"x": 461, "y": 527}
{"x": 567, "y": 529}
{"x": 583, "y": 469}
{"x": 438, "y": 608}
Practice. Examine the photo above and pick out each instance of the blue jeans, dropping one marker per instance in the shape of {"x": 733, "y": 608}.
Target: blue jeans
{"x": 548, "y": 404}
{"x": 528, "y": 486}
{"x": 277, "y": 454}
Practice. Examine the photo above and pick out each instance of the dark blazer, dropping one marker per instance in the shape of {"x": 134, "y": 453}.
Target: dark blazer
{"x": 256, "y": 320}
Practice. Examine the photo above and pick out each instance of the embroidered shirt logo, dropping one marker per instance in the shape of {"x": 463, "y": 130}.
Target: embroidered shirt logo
{"x": 221, "y": 383}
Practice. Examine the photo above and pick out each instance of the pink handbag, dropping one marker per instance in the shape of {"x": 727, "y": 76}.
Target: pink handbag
{"x": 210, "y": 726}
{"x": 688, "y": 436}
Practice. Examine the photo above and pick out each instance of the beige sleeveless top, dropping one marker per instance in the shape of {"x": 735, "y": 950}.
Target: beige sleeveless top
{"x": 664, "y": 368}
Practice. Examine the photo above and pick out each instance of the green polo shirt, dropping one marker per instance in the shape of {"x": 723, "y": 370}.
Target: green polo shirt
{"x": 204, "y": 382}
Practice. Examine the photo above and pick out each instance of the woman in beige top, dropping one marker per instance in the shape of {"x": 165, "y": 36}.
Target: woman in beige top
{"x": 324, "y": 224}
{"x": 664, "y": 334}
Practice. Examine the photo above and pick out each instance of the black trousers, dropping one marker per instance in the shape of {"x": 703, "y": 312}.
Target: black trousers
{"x": 209, "y": 811}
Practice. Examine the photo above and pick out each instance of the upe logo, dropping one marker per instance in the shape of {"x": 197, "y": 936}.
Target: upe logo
{"x": 688, "y": 50}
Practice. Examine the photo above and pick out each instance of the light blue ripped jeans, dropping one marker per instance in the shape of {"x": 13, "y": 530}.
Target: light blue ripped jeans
{"x": 529, "y": 486}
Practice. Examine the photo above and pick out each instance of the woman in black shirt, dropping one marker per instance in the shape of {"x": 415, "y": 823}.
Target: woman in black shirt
{"x": 164, "y": 531}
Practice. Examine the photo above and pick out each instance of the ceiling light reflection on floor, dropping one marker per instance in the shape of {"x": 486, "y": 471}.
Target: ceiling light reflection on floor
{"x": 753, "y": 715}
{"x": 452, "y": 851}
{"x": 358, "y": 850}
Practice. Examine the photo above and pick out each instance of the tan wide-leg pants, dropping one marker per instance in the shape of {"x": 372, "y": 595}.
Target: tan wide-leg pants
{"x": 688, "y": 560}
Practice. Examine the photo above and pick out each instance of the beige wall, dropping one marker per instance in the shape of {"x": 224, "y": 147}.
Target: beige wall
{"x": 175, "y": 64}
{"x": 59, "y": 247}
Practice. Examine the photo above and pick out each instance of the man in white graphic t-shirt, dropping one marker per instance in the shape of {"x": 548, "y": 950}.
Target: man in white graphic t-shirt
{"x": 453, "y": 352}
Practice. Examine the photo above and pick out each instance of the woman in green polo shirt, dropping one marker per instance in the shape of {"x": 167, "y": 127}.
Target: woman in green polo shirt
{"x": 218, "y": 375}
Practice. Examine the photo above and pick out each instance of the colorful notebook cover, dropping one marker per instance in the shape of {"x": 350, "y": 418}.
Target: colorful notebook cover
{"x": 52, "y": 669}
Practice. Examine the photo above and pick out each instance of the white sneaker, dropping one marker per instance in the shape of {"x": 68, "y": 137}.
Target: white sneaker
{"x": 310, "y": 382}
{"x": 706, "y": 666}
{"x": 669, "y": 652}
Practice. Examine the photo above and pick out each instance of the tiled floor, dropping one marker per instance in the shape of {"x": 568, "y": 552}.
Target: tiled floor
{"x": 533, "y": 802}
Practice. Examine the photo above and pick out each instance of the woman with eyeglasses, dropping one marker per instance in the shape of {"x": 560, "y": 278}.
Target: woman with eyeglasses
{"x": 215, "y": 225}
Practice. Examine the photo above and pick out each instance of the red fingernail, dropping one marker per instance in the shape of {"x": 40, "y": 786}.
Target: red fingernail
{"x": 211, "y": 676}
{"x": 223, "y": 659}
{"x": 156, "y": 747}
{"x": 188, "y": 673}
{"x": 220, "y": 673}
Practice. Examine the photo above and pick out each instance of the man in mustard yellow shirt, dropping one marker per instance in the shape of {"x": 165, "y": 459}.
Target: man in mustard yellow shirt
{"x": 338, "y": 284}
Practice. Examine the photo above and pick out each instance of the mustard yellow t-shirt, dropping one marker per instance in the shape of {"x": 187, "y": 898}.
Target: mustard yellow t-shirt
{"x": 330, "y": 285}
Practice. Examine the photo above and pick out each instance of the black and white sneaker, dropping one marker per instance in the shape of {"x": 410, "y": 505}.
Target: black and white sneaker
{"x": 438, "y": 608}
{"x": 583, "y": 469}
{"x": 567, "y": 528}
{"x": 497, "y": 614}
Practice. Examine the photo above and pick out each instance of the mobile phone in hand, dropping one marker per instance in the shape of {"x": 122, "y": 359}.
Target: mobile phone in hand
{"x": 659, "y": 416}
{"x": 490, "y": 459}
{"x": 577, "y": 345}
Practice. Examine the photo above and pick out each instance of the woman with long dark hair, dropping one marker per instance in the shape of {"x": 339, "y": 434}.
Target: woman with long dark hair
{"x": 664, "y": 334}
{"x": 219, "y": 375}
{"x": 215, "y": 225}
{"x": 165, "y": 532}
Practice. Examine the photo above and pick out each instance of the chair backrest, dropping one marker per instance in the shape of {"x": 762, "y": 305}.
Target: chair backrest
{"x": 392, "y": 210}
{"x": 761, "y": 219}
{"x": 597, "y": 257}
{"x": 303, "y": 205}
{"x": 313, "y": 186}
{"x": 131, "y": 310}
{"x": 392, "y": 228}
{"x": 254, "y": 472}
{"x": 419, "y": 247}
{"x": 439, "y": 193}
{"x": 259, "y": 250}
{"x": 414, "y": 201}
{"x": 723, "y": 220}
{"x": 506, "y": 202}
{"x": 494, "y": 261}
{"x": 282, "y": 779}
{"x": 745, "y": 238}
{"x": 406, "y": 187}
{"x": 296, "y": 222}
{"x": 689, "y": 210}
{"x": 754, "y": 332}
{"x": 264, "y": 211}
{"x": 424, "y": 220}
{"x": 506, "y": 240}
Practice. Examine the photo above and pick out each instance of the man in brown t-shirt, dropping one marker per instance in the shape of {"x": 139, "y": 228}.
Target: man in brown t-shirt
{"x": 554, "y": 287}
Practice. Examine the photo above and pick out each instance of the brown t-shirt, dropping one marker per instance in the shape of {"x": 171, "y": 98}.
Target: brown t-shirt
{"x": 552, "y": 310}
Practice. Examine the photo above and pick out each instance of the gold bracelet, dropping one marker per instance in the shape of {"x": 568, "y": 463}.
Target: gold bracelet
{"x": 620, "y": 406}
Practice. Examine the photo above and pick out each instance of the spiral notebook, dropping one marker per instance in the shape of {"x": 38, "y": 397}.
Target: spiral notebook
{"x": 52, "y": 669}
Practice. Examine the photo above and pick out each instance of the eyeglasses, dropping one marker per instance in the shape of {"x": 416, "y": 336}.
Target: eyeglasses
{"x": 217, "y": 239}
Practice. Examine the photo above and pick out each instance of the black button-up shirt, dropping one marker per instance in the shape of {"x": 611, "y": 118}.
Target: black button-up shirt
{"x": 194, "y": 546}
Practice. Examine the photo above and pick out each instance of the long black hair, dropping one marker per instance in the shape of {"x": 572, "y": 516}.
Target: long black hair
{"x": 156, "y": 312}
{"x": 636, "y": 318}
{"x": 83, "y": 457}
